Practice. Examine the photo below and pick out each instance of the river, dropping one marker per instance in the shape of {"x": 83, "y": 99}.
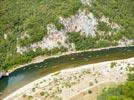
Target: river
{"x": 29, "y": 73}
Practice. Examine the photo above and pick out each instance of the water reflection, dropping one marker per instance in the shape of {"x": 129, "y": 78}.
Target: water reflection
{"x": 3, "y": 84}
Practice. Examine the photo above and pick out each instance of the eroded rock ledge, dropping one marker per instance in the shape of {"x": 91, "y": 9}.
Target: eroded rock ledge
{"x": 3, "y": 73}
{"x": 85, "y": 24}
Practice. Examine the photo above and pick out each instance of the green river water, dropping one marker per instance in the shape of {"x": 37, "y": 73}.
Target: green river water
{"x": 27, "y": 74}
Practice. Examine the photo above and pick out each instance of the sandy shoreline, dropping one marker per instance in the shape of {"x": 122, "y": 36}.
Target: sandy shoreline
{"x": 92, "y": 74}
{"x": 39, "y": 59}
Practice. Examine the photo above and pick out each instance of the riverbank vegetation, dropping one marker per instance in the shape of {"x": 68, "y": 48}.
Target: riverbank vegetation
{"x": 121, "y": 92}
{"x": 32, "y": 17}
{"x": 85, "y": 43}
{"x": 84, "y": 82}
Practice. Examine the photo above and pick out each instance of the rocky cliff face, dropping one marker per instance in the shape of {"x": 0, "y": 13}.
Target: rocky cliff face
{"x": 82, "y": 22}
{"x": 61, "y": 26}
{"x": 85, "y": 24}
{"x": 3, "y": 73}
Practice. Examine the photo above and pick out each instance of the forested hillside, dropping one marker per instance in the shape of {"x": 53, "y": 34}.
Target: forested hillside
{"x": 24, "y": 23}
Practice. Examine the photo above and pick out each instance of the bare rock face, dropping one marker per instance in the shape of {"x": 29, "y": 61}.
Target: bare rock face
{"x": 21, "y": 50}
{"x": 84, "y": 23}
{"x": 113, "y": 25}
{"x": 24, "y": 35}
{"x": 3, "y": 73}
{"x": 5, "y": 36}
{"x": 54, "y": 39}
{"x": 125, "y": 42}
{"x": 86, "y": 2}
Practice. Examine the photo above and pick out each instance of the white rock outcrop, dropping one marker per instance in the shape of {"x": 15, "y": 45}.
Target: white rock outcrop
{"x": 125, "y": 42}
{"x": 113, "y": 25}
{"x": 5, "y": 36}
{"x": 86, "y": 2}
{"x": 24, "y": 35}
{"x": 20, "y": 49}
{"x": 84, "y": 23}
{"x": 54, "y": 39}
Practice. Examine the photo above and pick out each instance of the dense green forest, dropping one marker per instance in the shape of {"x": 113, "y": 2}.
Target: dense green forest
{"x": 85, "y": 43}
{"x": 121, "y": 92}
{"x": 32, "y": 16}
{"x": 119, "y": 11}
